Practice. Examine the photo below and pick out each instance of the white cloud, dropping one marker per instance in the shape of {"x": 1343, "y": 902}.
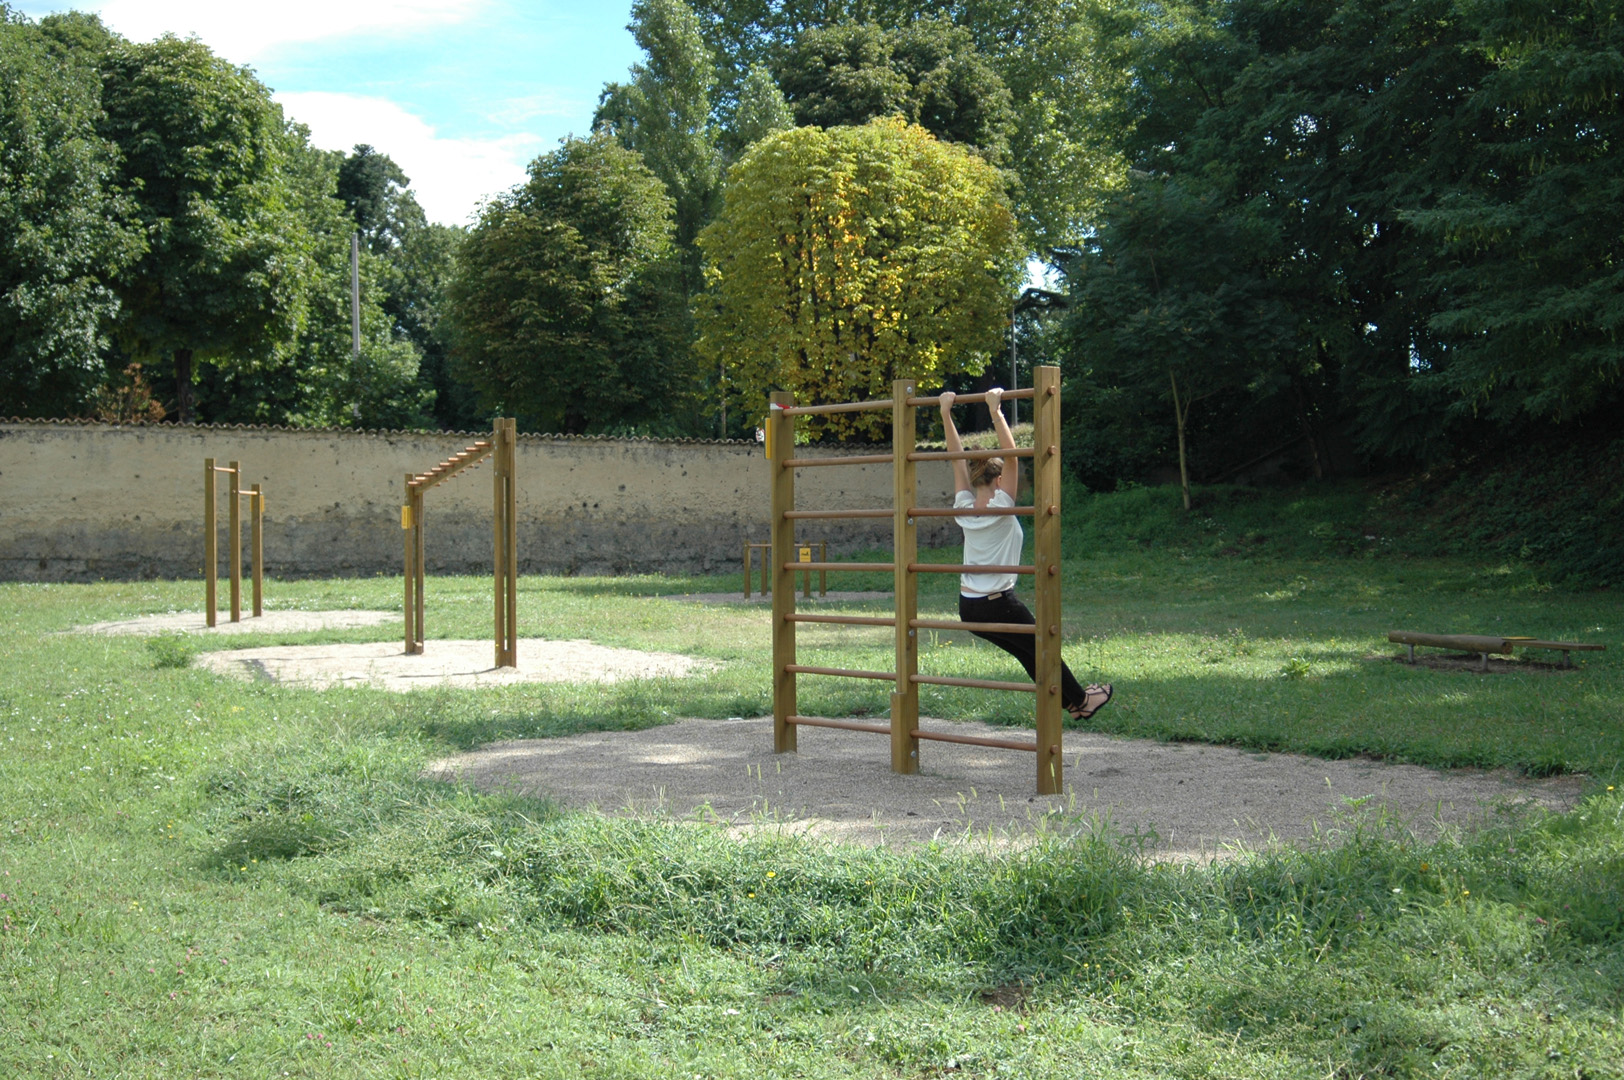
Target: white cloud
{"x": 449, "y": 176}
{"x": 240, "y": 31}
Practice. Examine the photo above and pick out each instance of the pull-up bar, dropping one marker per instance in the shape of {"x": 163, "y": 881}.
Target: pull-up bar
{"x": 904, "y": 728}
{"x": 211, "y": 541}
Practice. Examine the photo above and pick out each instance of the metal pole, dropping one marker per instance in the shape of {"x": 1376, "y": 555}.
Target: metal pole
{"x": 355, "y": 295}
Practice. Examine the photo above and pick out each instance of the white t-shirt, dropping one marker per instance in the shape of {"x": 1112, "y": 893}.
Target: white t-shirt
{"x": 993, "y": 540}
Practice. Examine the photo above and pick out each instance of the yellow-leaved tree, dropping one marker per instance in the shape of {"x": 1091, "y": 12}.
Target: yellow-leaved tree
{"x": 847, "y": 257}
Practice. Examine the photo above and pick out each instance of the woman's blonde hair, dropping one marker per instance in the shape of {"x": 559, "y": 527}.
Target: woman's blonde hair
{"x": 986, "y": 471}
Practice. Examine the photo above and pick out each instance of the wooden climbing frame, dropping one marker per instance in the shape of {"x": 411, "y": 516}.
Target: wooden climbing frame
{"x": 211, "y": 541}
{"x": 904, "y": 728}
{"x": 500, "y": 449}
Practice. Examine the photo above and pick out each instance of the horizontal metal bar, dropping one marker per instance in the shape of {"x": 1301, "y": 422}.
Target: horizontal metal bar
{"x": 965, "y": 568}
{"x": 984, "y": 627}
{"x": 974, "y": 684}
{"x": 826, "y": 515}
{"x": 969, "y": 455}
{"x": 843, "y": 673}
{"x": 855, "y": 459}
{"x": 845, "y": 725}
{"x": 844, "y": 620}
{"x": 974, "y": 740}
{"x": 840, "y": 566}
{"x": 820, "y": 410}
{"x": 969, "y": 399}
{"x": 969, "y": 511}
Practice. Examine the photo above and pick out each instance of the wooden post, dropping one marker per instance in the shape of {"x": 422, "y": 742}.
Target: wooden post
{"x": 747, "y": 570}
{"x": 211, "y": 543}
{"x": 1046, "y": 558}
{"x": 905, "y": 698}
{"x": 505, "y": 528}
{"x": 409, "y": 574}
{"x": 236, "y": 541}
{"x": 823, "y": 575}
{"x": 511, "y": 516}
{"x": 780, "y": 449}
{"x": 256, "y": 529}
{"x": 420, "y": 568}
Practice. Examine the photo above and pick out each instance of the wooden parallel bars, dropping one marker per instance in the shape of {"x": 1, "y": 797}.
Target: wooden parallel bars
{"x": 211, "y": 541}
{"x": 904, "y": 727}
{"x": 500, "y": 448}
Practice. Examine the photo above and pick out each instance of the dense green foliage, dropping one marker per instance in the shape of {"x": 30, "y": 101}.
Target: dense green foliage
{"x": 161, "y": 210}
{"x": 62, "y": 237}
{"x": 1408, "y": 212}
{"x": 928, "y": 72}
{"x": 567, "y": 301}
{"x": 204, "y": 876}
{"x": 848, "y": 257}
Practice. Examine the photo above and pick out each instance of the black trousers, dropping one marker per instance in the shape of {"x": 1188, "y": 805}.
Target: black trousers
{"x": 1007, "y": 608}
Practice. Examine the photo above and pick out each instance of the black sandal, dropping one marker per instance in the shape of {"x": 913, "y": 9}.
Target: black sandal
{"x": 1085, "y": 711}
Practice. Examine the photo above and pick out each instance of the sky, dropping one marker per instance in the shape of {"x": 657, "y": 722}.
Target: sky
{"x": 462, "y": 94}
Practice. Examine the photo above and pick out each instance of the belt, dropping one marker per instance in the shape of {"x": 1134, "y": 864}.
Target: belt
{"x": 989, "y": 596}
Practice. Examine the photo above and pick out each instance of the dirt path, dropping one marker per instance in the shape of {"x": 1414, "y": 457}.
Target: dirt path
{"x": 1201, "y": 801}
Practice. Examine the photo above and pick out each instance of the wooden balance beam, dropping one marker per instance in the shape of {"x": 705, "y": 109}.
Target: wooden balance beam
{"x": 1484, "y": 644}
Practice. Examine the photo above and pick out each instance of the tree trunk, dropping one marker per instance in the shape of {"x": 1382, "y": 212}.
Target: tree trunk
{"x": 1180, "y": 414}
{"x": 183, "y": 385}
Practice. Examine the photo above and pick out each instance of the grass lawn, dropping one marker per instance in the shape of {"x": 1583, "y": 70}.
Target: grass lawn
{"x": 209, "y": 878}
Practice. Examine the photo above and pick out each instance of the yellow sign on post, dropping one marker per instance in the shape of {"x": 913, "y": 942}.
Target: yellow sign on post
{"x": 806, "y": 552}
{"x": 406, "y": 517}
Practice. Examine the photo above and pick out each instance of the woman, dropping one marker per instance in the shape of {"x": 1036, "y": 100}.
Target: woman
{"x": 996, "y": 540}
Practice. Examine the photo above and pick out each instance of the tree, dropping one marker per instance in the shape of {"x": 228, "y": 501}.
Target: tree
{"x": 222, "y": 278}
{"x": 378, "y": 194}
{"x": 1529, "y": 290}
{"x": 1172, "y": 300}
{"x": 927, "y": 72}
{"x": 848, "y": 257}
{"x": 762, "y": 111}
{"x": 664, "y": 114}
{"x": 62, "y": 235}
{"x": 565, "y": 305}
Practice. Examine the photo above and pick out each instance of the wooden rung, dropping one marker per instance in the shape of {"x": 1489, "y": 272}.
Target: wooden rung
{"x": 973, "y": 740}
{"x": 968, "y": 399}
{"x": 844, "y": 725}
{"x": 843, "y": 673}
{"x": 984, "y": 627}
{"x": 970, "y": 511}
{"x": 824, "y": 515}
{"x": 844, "y": 620}
{"x": 974, "y": 684}
{"x": 962, "y": 568}
{"x": 856, "y": 459}
{"x": 970, "y": 455}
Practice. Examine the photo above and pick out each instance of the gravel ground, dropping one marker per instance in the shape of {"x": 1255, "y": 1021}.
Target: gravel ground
{"x": 272, "y": 622}
{"x": 442, "y": 663}
{"x": 1202, "y": 802}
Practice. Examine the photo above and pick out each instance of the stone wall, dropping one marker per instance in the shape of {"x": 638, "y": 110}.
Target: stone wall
{"x": 79, "y": 502}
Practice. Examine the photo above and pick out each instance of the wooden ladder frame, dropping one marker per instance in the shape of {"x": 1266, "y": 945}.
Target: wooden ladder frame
{"x": 211, "y": 541}
{"x": 504, "y": 526}
{"x": 904, "y": 730}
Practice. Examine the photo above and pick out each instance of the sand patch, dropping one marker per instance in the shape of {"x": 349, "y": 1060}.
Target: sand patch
{"x": 272, "y": 622}
{"x": 1203, "y": 802}
{"x": 444, "y": 663}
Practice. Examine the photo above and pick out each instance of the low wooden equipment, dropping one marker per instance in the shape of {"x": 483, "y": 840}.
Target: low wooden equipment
{"x": 211, "y": 541}
{"x": 904, "y": 729}
{"x": 505, "y": 528}
{"x": 751, "y": 547}
{"x": 1485, "y": 644}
